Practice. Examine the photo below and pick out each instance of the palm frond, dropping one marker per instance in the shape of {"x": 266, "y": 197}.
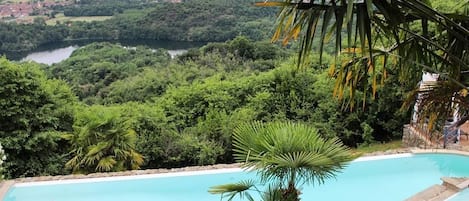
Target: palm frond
{"x": 277, "y": 150}
{"x": 232, "y": 190}
{"x": 103, "y": 142}
{"x": 106, "y": 164}
{"x": 273, "y": 193}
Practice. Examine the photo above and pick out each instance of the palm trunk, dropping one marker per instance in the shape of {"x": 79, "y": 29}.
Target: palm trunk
{"x": 291, "y": 193}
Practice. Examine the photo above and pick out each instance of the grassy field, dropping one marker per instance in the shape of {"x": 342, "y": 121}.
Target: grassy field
{"x": 61, "y": 18}
{"x": 378, "y": 147}
{"x": 131, "y": 13}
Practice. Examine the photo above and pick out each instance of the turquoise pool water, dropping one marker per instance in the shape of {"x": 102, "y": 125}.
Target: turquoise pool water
{"x": 371, "y": 180}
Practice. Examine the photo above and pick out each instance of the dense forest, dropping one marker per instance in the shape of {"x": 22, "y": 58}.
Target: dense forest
{"x": 111, "y": 108}
{"x": 101, "y": 7}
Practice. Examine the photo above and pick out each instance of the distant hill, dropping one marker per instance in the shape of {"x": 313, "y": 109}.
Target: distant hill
{"x": 195, "y": 20}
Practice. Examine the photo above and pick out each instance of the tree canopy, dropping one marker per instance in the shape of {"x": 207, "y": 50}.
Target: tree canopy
{"x": 172, "y": 112}
{"x": 35, "y": 110}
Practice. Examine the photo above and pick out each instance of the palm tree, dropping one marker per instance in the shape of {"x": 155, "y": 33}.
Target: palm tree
{"x": 104, "y": 143}
{"x": 284, "y": 155}
{"x": 406, "y": 37}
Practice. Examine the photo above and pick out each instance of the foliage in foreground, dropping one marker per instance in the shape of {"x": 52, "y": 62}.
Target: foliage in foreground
{"x": 406, "y": 36}
{"x": 102, "y": 142}
{"x": 34, "y": 112}
{"x": 285, "y": 155}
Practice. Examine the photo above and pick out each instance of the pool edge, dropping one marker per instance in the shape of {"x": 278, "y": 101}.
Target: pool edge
{"x": 383, "y": 157}
{"x": 127, "y": 177}
{"x": 4, "y": 187}
{"x": 441, "y": 151}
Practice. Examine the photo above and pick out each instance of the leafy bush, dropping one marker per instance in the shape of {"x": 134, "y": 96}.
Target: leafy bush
{"x": 102, "y": 142}
{"x": 35, "y": 111}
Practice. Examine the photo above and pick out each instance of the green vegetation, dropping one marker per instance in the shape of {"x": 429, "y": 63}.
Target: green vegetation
{"x": 115, "y": 108}
{"x": 61, "y": 19}
{"x": 195, "y": 20}
{"x": 92, "y": 68}
{"x": 285, "y": 155}
{"x": 408, "y": 37}
{"x": 198, "y": 20}
{"x": 172, "y": 112}
{"x": 35, "y": 111}
{"x": 101, "y": 7}
{"x": 102, "y": 142}
{"x": 24, "y": 37}
{"x": 375, "y": 147}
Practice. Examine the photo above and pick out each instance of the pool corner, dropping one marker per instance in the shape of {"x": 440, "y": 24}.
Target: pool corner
{"x": 4, "y": 187}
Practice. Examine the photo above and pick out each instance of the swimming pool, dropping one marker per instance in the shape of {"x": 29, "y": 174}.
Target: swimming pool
{"x": 366, "y": 179}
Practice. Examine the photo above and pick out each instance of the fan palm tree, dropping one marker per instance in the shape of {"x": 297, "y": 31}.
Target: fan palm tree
{"x": 103, "y": 144}
{"x": 403, "y": 36}
{"x": 284, "y": 155}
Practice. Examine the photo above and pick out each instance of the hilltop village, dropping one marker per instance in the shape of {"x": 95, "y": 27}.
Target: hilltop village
{"x": 24, "y": 12}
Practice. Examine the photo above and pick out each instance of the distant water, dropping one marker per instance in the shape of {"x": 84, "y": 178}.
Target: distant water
{"x": 57, "y": 52}
{"x": 50, "y": 56}
{"x": 175, "y": 53}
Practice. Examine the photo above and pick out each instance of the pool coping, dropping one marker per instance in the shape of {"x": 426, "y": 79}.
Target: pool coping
{"x": 129, "y": 177}
{"x": 212, "y": 169}
{"x": 59, "y": 179}
{"x": 442, "y": 151}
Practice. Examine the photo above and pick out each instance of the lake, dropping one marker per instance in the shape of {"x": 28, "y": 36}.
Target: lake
{"x": 57, "y": 52}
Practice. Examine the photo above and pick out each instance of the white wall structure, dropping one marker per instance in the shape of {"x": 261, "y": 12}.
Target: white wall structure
{"x": 427, "y": 79}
